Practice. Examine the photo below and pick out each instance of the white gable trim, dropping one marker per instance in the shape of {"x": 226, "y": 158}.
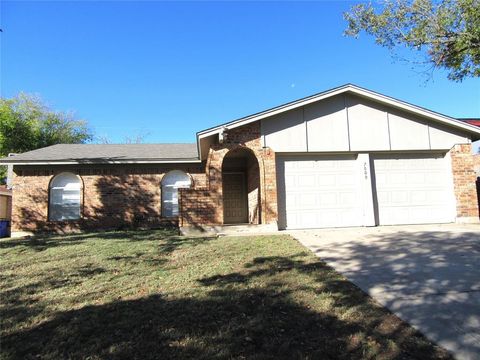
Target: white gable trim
{"x": 340, "y": 90}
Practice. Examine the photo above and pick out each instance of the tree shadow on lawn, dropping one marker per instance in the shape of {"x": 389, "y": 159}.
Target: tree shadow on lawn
{"x": 39, "y": 243}
{"x": 169, "y": 240}
{"x": 263, "y": 320}
{"x": 21, "y": 303}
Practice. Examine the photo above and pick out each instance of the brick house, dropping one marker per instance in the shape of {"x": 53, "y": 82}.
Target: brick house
{"x": 344, "y": 157}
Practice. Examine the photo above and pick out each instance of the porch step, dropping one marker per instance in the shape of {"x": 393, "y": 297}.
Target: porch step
{"x": 229, "y": 230}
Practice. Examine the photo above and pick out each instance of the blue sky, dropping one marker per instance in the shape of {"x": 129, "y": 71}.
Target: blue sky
{"x": 170, "y": 69}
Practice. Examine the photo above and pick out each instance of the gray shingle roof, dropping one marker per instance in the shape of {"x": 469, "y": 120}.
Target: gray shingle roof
{"x": 101, "y": 153}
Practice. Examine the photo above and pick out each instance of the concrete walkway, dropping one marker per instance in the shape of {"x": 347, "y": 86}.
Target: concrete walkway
{"x": 428, "y": 275}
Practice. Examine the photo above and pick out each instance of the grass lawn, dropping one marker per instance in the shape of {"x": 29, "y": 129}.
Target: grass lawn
{"x": 154, "y": 295}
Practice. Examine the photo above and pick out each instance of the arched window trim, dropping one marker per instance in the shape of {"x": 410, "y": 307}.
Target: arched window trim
{"x": 169, "y": 193}
{"x": 81, "y": 196}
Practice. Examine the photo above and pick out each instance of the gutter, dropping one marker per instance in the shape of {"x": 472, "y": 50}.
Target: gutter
{"x": 93, "y": 162}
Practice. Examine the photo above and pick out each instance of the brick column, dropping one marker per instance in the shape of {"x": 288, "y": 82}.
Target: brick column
{"x": 268, "y": 183}
{"x": 464, "y": 182}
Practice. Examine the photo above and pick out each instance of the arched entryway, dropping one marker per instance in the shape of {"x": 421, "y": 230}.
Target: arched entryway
{"x": 241, "y": 187}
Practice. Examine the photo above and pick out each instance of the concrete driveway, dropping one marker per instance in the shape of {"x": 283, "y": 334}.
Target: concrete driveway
{"x": 429, "y": 275}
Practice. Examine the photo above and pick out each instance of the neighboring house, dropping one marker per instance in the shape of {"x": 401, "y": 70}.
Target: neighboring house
{"x": 5, "y": 203}
{"x": 5, "y": 210}
{"x": 471, "y": 121}
{"x": 476, "y": 157}
{"x": 476, "y": 167}
{"x": 344, "y": 157}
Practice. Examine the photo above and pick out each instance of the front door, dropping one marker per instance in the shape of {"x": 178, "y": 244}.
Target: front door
{"x": 234, "y": 199}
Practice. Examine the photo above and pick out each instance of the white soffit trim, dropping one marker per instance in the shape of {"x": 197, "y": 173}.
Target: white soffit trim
{"x": 336, "y": 91}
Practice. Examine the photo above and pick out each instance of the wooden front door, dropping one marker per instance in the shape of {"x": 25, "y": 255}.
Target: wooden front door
{"x": 234, "y": 199}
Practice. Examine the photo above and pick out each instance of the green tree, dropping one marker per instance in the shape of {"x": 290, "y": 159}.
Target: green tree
{"x": 447, "y": 32}
{"x": 26, "y": 123}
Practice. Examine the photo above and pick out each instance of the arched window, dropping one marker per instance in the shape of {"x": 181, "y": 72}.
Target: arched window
{"x": 171, "y": 182}
{"x": 65, "y": 194}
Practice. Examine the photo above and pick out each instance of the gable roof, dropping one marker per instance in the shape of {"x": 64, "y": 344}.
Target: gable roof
{"x": 190, "y": 153}
{"x": 107, "y": 153}
{"x": 350, "y": 88}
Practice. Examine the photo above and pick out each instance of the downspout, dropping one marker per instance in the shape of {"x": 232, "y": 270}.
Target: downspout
{"x": 263, "y": 196}
{"x": 180, "y": 223}
{"x": 263, "y": 221}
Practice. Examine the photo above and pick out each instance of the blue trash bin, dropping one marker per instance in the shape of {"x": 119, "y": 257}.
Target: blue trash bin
{"x": 3, "y": 228}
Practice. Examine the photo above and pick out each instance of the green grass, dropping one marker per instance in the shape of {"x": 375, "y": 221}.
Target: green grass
{"x": 151, "y": 294}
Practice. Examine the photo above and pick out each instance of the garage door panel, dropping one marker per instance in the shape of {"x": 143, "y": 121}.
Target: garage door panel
{"x": 307, "y": 181}
{"x": 327, "y": 180}
{"x": 312, "y": 218}
{"x": 411, "y": 215}
{"x": 334, "y": 191}
{"x": 320, "y": 191}
{"x": 412, "y": 198}
{"x": 308, "y": 200}
{"x": 413, "y": 189}
{"x": 420, "y": 196}
{"x": 417, "y": 178}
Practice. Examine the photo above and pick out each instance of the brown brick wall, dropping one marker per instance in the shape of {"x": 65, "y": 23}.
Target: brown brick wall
{"x": 198, "y": 207}
{"x": 476, "y": 168}
{"x": 113, "y": 196}
{"x": 464, "y": 179}
{"x": 476, "y": 164}
{"x": 253, "y": 190}
{"x": 209, "y": 210}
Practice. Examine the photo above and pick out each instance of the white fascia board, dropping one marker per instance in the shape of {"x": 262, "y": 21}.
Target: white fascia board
{"x": 271, "y": 112}
{"x": 199, "y": 148}
{"x": 197, "y": 161}
{"x": 415, "y": 109}
{"x": 347, "y": 88}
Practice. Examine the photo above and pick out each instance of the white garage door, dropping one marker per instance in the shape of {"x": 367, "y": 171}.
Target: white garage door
{"x": 415, "y": 189}
{"x": 318, "y": 192}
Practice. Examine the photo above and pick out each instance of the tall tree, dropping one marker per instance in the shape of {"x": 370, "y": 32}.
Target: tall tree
{"x": 447, "y": 32}
{"x": 26, "y": 123}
